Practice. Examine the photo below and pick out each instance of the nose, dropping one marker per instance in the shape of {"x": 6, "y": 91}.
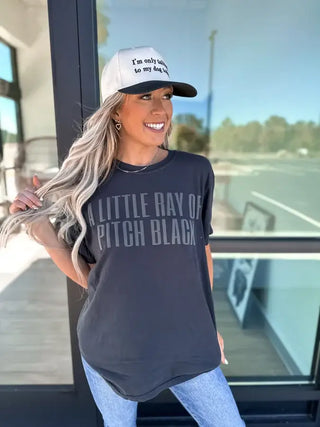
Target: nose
{"x": 158, "y": 106}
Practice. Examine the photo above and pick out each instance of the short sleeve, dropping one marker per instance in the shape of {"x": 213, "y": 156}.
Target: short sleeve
{"x": 207, "y": 205}
{"x": 84, "y": 251}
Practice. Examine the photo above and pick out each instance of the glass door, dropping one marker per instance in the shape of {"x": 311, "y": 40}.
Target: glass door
{"x": 256, "y": 118}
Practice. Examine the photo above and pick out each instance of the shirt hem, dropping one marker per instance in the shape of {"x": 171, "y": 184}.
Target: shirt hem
{"x": 173, "y": 381}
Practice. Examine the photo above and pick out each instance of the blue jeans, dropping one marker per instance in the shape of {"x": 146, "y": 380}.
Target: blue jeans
{"x": 207, "y": 397}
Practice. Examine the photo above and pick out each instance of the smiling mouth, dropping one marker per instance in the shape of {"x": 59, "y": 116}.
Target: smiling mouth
{"x": 155, "y": 126}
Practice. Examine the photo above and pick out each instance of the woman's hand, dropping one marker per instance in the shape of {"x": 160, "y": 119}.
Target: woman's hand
{"x": 26, "y": 198}
{"x": 221, "y": 344}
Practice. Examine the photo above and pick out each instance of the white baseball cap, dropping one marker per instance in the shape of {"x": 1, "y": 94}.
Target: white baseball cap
{"x": 139, "y": 70}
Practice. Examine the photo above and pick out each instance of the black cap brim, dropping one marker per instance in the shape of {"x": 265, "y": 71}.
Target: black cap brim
{"x": 179, "y": 89}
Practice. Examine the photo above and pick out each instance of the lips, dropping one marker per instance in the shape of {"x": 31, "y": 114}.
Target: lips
{"x": 155, "y": 126}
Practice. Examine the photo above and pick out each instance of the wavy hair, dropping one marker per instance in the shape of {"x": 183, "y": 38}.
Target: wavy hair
{"x": 90, "y": 161}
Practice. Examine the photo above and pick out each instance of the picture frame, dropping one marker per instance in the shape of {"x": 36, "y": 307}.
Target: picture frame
{"x": 256, "y": 218}
{"x": 243, "y": 270}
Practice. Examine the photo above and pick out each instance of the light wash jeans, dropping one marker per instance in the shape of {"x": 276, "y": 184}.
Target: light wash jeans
{"x": 207, "y": 397}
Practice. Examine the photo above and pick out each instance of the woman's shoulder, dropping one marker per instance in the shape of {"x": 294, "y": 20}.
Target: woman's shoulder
{"x": 193, "y": 159}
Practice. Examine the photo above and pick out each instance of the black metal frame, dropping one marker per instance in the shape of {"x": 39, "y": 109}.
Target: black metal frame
{"x": 60, "y": 405}
{"x": 76, "y": 93}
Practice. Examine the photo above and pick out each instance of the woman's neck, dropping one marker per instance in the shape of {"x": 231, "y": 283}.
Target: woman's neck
{"x": 143, "y": 156}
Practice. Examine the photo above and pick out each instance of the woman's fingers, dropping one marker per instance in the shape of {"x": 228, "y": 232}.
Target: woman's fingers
{"x": 221, "y": 344}
{"x": 17, "y": 206}
{"x": 35, "y": 181}
{"x": 27, "y": 198}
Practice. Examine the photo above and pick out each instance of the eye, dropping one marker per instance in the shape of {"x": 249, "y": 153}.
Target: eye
{"x": 146, "y": 96}
{"x": 168, "y": 95}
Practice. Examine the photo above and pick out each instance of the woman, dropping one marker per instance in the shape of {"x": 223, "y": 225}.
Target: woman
{"x": 129, "y": 222}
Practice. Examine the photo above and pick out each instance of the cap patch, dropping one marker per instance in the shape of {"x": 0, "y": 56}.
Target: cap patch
{"x": 145, "y": 65}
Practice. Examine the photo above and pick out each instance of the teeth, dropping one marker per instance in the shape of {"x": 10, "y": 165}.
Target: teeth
{"x": 156, "y": 126}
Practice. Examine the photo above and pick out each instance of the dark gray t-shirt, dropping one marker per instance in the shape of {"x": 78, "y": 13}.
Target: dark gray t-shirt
{"x": 148, "y": 322}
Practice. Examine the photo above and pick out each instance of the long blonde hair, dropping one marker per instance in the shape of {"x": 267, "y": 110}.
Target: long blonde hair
{"x": 90, "y": 160}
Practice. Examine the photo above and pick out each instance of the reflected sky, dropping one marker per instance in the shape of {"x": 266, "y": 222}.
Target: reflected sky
{"x": 266, "y": 56}
{"x": 5, "y": 63}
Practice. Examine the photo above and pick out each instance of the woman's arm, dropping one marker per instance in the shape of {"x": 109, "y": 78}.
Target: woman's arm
{"x": 62, "y": 259}
{"x": 210, "y": 264}
{"x": 45, "y": 233}
{"x": 59, "y": 253}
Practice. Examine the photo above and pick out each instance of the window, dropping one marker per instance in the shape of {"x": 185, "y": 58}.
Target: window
{"x": 10, "y": 121}
{"x": 256, "y": 117}
{"x": 44, "y": 357}
{"x": 256, "y": 70}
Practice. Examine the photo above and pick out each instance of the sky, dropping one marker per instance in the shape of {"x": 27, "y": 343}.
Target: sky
{"x": 7, "y": 108}
{"x": 266, "y": 53}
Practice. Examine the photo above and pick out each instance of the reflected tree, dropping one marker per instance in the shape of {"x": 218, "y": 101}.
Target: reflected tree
{"x": 189, "y": 134}
{"x": 103, "y": 22}
{"x": 274, "y": 135}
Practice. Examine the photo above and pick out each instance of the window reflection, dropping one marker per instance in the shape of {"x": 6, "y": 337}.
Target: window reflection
{"x": 267, "y": 310}
{"x": 5, "y": 63}
{"x": 8, "y": 120}
{"x": 256, "y": 116}
{"x": 34, "y": 319}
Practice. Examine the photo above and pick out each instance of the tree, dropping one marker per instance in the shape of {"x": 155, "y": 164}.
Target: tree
{"x": 190, "y": 134}
{"x": 224, "y": 136}
{"x": 276, "y": 133}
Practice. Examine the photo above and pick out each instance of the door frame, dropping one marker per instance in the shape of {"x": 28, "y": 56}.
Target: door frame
{"x": 69, "y": 404}
{"x": 74, "y": 56}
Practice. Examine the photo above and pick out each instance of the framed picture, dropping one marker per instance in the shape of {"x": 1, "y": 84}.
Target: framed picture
{"x": 243, "y": 269}
{"x": 257, "y": 219}
{"x": 240, "y": 285}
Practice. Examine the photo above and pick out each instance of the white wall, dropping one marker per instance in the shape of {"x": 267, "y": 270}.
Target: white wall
{"x": 24, "y": 25}
{"x": 291, "y": 305}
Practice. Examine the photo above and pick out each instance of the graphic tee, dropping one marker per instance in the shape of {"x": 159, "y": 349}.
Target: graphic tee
{"x": 148, "y": 322}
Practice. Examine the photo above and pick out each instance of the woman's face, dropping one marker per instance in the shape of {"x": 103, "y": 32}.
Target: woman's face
{"x": 145, "y": 118}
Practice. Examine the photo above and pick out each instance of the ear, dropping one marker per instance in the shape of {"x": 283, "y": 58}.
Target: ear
{"x": 115, "y": 116}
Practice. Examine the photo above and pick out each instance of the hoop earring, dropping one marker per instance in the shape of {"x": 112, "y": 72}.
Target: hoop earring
{"x": 118, "y": 126}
